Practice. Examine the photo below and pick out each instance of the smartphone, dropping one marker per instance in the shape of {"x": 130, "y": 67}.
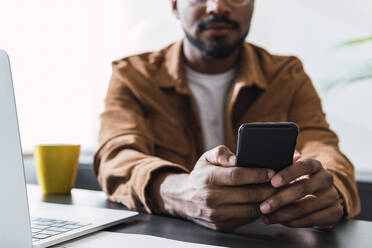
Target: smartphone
{"x": 266, "y": 145}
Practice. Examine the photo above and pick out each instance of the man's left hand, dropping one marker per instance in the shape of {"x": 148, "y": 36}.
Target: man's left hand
{"x": 306, "y": 197}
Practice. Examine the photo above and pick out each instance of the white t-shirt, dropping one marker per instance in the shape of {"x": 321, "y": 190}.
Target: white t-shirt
{"x": 210, "y": 92}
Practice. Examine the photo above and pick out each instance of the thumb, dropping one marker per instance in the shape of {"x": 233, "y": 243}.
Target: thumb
{"x": 221, "y": 156}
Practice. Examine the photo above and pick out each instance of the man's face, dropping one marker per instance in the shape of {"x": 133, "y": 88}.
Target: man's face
{"x": 216, "y": 27}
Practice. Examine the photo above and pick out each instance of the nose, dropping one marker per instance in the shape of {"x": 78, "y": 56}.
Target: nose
{"x": 218, "y": 7}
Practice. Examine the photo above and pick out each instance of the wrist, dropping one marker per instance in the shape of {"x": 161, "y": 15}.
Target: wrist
{"x": 171, "y": 191}
{"x": 163, "y": 189}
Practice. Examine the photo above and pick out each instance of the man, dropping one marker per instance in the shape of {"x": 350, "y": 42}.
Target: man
{"x": 169, "y": 130}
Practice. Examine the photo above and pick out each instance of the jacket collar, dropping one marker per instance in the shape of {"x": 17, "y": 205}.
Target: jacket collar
{"x": 249, "y": 70}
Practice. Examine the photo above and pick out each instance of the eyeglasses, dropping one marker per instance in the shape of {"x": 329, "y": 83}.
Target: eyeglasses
{"x": 235, "y": 3}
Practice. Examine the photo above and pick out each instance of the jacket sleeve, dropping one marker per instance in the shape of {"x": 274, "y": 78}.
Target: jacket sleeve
{"x": 317, "y": 141}
{"x": 125, "y": 160}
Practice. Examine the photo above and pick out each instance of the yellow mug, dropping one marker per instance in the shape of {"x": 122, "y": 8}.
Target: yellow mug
{"x": 56, "y": 167}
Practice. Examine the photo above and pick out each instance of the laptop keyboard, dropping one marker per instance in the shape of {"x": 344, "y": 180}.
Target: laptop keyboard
{"x": 43, "y": 228}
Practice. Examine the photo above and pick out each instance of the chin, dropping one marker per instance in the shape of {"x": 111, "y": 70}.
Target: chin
{"x": 218, "y": 48}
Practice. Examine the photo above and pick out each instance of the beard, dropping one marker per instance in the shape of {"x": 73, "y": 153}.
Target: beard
{"x": 216, "y": 49}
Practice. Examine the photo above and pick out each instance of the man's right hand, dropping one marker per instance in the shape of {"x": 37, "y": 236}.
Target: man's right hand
{"x": 216, "y": 194}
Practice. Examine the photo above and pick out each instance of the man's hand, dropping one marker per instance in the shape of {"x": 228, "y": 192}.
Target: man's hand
{"x": 216, "y": 194}
{"x": 306, "y": 197}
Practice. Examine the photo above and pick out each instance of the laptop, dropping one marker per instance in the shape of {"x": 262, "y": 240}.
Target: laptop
{"x": 49, "y": 223}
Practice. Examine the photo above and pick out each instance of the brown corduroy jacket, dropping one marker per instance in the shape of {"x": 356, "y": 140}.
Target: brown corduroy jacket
{"x": 151, "y": 120}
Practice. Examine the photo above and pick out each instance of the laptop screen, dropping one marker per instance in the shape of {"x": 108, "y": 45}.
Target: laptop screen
{"x": 15, "y": 228}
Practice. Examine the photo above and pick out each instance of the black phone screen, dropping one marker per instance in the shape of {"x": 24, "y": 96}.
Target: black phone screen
{"x": 266, "y": 145}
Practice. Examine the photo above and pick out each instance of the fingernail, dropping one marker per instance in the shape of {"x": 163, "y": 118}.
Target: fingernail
{"x": 270, "y": 173}
{"x": 232, "y": 159}
{"x": 265, "y": 208}
{"x": 296, "y": 158}
{"x": 277, "y": 181}
{"x": 265, "y": 220}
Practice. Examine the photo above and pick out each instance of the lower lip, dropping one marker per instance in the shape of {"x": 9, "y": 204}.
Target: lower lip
{"x": 218, "y": 31}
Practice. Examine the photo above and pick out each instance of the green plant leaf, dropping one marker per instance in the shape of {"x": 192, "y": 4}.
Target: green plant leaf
{"x": 356, "y": 77}
{"x": 348, "y": 81}
{"x": 356, "y": 41}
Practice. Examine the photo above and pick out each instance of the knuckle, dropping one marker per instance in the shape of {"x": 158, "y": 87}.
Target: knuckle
{"x": 205, "y": 178}
{"x": 252, "y": 176}
{"x": 303, "y": 164}
{"x": 220, "y": 150}
{"x": 263, "y": 176}
{"x": 236, "y": 175}
{"x": 209, "y": 178}
{"x": 206, "y": 197}
{"x": 210, "y": 198}
{"x": 300, "y": 189}
{"x": 233, "y": 175}
{"x": 305, "y": 188}
{"x": 310, "y": 165}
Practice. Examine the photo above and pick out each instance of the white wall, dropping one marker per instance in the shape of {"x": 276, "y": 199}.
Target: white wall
{"x": 312, "y": 30}
{"x": 61, "y": 52}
